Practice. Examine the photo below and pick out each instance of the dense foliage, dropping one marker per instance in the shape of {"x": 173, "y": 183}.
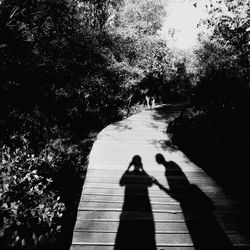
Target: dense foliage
{"x": 40, "y": 193}
{"x": 214, "y": 130}
{"x": 30, "y": 210}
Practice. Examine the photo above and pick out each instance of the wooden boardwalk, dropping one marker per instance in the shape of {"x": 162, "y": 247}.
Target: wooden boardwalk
{"x": 184, "y": 208}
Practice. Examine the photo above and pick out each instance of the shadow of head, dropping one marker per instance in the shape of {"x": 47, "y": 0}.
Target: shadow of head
{"x": 136, "y": 162}
{"x": 160, "y": 159}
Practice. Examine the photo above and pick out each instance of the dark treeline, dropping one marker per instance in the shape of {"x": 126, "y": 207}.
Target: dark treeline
{"x": 69, "y": 62}
{"x": 68, "y": 68}
{"x": 214, "y": 129}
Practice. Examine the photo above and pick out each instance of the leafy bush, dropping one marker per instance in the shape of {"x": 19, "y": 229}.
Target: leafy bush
{"x": 65, "y": 165}
{"x": 30, "y": 212}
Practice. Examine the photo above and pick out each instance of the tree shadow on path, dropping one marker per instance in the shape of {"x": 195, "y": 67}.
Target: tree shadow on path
{"x": 136, "y": 229}
{"x": 197, "y": 208}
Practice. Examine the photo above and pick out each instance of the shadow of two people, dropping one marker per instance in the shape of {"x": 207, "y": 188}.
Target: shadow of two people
{"x": 137, "y": 228}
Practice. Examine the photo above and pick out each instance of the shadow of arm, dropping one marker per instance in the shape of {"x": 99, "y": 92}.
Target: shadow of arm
{"x": 157, "y": 183}
{"x": 124, "y": 178}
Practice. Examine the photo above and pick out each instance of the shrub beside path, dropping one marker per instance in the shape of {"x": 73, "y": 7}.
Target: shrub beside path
{"x": 172, "y": 212}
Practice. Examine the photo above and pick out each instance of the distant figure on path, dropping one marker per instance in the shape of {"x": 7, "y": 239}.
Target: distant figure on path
{"x": 150, "y": 100}
{"x": 153, "y": 102}
{"x": 136, "y": 229}
{"x": 147, "y": 101}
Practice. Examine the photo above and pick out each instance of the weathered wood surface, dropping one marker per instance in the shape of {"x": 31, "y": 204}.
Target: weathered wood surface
{"x": 174, "y": 225}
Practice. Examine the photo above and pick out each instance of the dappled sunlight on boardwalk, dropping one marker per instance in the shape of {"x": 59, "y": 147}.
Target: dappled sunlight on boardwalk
{"x": 183, "y": 209}
{"x": 139, "y": 134}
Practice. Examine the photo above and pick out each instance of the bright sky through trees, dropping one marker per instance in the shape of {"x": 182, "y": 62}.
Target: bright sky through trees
{"x": 180, "y": 27}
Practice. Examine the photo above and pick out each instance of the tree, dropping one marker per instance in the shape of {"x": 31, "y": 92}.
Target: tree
{"x": 228, "y": 23}
{"x": 139, "y": 23}
{"x": 217, "y": 119}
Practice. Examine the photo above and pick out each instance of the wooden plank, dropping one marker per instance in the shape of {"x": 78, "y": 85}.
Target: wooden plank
{"x": 205, "y": 188}
{"x": 93, "y": 205}
{"x": 168, "y": 227}
{"x": 112, "y": 226}
{"x": 158, "y": 171}
{"x": 153, "y": 193}
{"x": 115, "y": 215}
{"x": 164, "y": 215}
{"x": 119, "y": 205}
{"x": 177, "y": 180}
{"x": 154, "y": 199}
{"x": 168, "y": 239}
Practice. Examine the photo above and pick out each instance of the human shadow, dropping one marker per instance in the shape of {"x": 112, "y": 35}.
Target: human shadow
{"x": 197, "y": 208}
{"x": 136, "y": 229}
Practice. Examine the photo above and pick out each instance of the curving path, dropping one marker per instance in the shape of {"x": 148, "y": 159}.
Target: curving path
{"x": 184, "y": 208}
